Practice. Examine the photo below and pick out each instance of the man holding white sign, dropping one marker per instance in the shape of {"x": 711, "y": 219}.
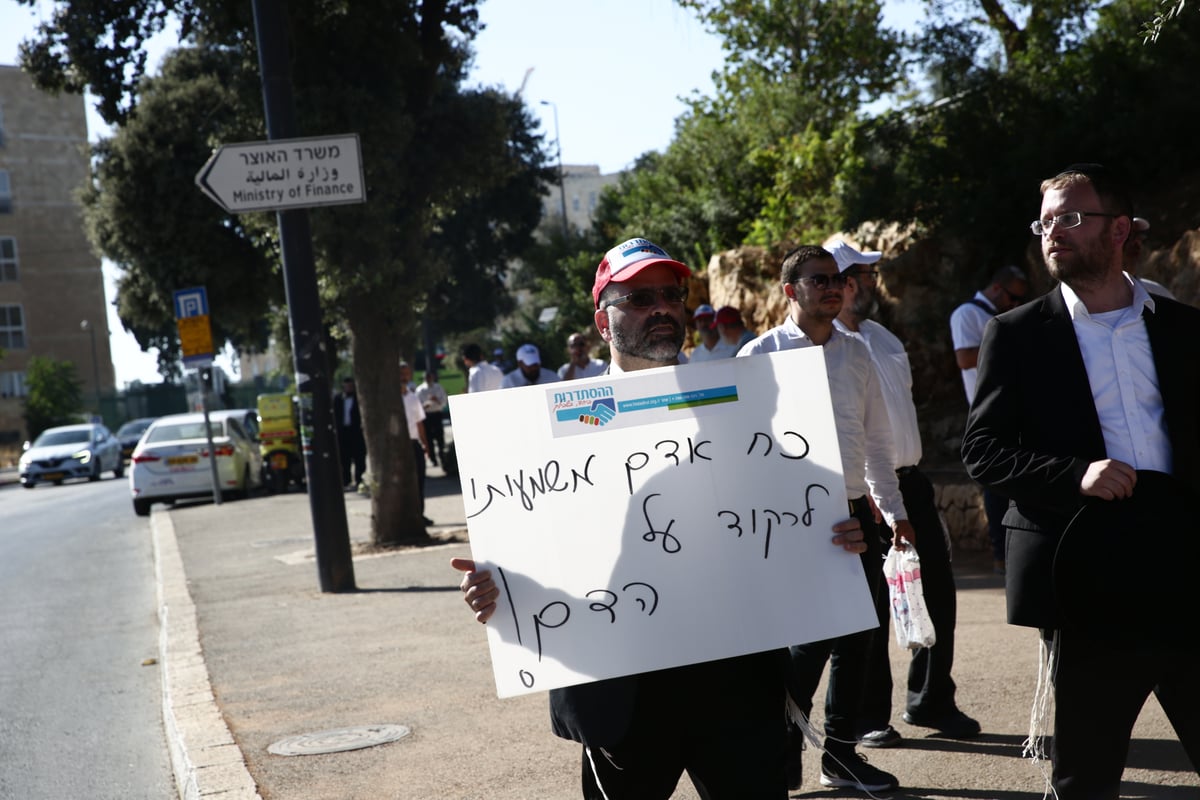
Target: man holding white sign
{"x": 720, "y": 721}
{"x": 813, "y": 286}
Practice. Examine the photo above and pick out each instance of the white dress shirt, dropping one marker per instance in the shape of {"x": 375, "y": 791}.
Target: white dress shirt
{"x": 1120, "y": 367}
{"x": 433, "y": 397}
{"x": 895, "y": 381}
{"x": 484, "y": 377}
{"x": 517, "y": 378}
{"x": 415, "y": 415}
{"x": 864, "y": 434}
{"x": 594, "y": 368}
{"x": 723, "y": 349}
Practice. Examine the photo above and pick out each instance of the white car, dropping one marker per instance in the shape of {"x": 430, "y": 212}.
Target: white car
{"x": 171, "y": 461}
{"x": 71, "y": 451}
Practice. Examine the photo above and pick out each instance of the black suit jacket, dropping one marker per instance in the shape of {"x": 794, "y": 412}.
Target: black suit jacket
{"x": 1033, "y": 429}
{"x": 339, "y": 413}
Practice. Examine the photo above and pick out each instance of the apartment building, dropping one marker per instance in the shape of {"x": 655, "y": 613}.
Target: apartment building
{"x": 51, "y": 286}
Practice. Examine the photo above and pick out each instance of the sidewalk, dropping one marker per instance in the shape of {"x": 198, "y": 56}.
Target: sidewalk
{"x": 284, "y": 659}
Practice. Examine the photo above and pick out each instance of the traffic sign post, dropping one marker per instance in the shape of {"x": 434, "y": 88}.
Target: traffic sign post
{"x": 285, "y": 173}
{"x": 196, "y": 341}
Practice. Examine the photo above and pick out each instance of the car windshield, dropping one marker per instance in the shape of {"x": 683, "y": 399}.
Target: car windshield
{"x": 137, "y": 427}
{"x": 53, "y": 438}
{"x": 175, "y": 431}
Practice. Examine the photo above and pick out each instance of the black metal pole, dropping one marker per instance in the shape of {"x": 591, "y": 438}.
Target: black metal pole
{"x": 335, "y": 566}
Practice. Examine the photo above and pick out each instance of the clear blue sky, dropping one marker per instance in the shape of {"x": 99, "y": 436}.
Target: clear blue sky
{"x": 615, "y": 69}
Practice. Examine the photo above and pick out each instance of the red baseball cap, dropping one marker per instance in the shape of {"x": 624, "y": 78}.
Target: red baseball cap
{"x": 628, "y": 259}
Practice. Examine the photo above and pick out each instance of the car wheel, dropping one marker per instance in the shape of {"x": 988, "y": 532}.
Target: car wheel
{"x": 29, "y": 484}
{"x": 141, "y": 508}
{"x": 95, "y": 476}
{"x": 119, "y": 470}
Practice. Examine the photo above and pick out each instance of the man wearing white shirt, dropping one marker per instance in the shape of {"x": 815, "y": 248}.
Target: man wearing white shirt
{"x": 529, "y": 369}
{"x": 930, "y": 700}
{"x": 1007, "y": 290}
{"x": 712, "y": 346}
{"x": 580, "y": 363}
{"x": 813, "y": 286}
{"x": 481, "y": 376}
{"x": 434, "y": 401}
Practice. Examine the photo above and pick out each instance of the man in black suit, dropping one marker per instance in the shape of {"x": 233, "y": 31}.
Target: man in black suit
{"x": 723, "y": 722}
{"x": 351, "y": 446}
{"x": 1085, "y": 398}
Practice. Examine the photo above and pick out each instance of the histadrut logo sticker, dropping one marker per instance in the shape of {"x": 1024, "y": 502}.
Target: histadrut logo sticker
{"x": 582, "y": 410}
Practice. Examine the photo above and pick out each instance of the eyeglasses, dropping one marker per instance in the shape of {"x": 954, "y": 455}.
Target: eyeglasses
{"x": 823, "y": 281}
{"x": 1017, "y": 299}
{"x": 647, "y": 298}
{"x": 575, "y": 345}
{"x": 1071, "y": 219}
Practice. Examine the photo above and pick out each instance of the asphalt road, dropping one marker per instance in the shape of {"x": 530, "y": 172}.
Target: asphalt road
{"x": 80, "y": 715}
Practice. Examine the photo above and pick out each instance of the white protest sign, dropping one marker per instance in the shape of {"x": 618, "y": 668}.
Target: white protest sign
{"x": 657, "y": 518}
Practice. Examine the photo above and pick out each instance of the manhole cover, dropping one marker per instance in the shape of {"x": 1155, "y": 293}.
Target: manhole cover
{"x": 338, "y": 740}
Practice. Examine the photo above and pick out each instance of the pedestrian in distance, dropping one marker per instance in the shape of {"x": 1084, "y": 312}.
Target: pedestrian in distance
{"x": 529, "y": 369}
{"x": 433, "y": 399}
{"x": 1006, "y": 290}
{"x": 481, "y": 376}
{"x": 580, "y": 363}
{"x": 722, "y": 722}
{"x": 352, "y": 447}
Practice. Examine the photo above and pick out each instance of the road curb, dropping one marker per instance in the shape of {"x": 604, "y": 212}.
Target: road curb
{"x": 205, "y": 758}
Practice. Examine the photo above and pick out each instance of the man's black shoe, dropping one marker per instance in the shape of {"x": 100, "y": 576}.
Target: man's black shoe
{"x": 885, "y": 737}
{"x": 954, "y": 725}
{"x": 427, "y": 520}
{"x": 851, "y": 770}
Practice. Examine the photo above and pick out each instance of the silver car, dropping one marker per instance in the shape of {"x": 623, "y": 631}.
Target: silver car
{"x": 171, "y": 460}
{"x": 71, "y": 451}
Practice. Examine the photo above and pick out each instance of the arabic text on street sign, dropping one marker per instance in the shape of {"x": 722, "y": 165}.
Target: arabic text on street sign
{"x": 285, "y": 173}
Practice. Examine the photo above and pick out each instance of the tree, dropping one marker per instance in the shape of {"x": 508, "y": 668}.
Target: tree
{"x": 453, "y": 176}
{"x": 55, "y": 394}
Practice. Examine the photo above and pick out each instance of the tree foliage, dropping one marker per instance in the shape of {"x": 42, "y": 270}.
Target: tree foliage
{"x": 55, "y": 394}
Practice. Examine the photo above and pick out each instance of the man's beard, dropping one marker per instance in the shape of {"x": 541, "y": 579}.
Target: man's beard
{"x": 642, "y": 344}
{"x": 864, "y": 304}
{"x": 1088, "y": 265}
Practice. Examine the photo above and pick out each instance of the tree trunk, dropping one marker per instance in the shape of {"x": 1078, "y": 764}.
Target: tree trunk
{"x": 395, "y": 502}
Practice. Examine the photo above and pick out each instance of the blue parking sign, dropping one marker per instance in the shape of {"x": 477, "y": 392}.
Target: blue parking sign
{"x": 191, "y": 303}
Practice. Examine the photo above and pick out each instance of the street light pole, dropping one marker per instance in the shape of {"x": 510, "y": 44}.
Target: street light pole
{"x": 85, "y": 325}
{"x": 562, "y": 188}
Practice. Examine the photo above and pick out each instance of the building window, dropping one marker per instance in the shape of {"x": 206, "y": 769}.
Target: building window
{"x": 12, "y": 384}
{"x": 1, "y": 124}
{"x": 8, "y": 259}
{"x": 591, "y": 201}
{"x": 5, "y": 193}
{"x": 12, "y": 327}
{"x": 575, "y": 202}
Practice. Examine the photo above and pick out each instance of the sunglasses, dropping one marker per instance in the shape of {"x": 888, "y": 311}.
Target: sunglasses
{"x": 648, "y": 298}
{"x": 823, "y": 281}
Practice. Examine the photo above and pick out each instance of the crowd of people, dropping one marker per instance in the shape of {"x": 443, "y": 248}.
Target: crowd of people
{"x": 1083, "y": 432}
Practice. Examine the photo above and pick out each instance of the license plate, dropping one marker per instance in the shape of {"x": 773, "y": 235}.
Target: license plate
{"x": 53, "y": 476}
{"x": 175, "y": 461}
{"x": 279, "y": 461}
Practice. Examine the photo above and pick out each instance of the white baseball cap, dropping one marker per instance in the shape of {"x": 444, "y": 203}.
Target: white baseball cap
{"x": 528, "y": 354}
{"x": 846, "y": 256}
